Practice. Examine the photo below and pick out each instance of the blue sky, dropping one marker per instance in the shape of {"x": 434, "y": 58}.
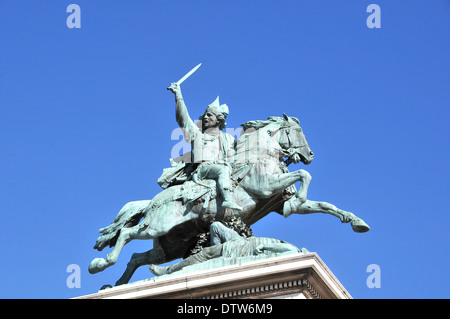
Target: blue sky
{"x": 86, "y": 123}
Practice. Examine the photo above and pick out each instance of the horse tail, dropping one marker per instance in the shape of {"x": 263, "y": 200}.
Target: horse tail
{"x": 128, "y": 216}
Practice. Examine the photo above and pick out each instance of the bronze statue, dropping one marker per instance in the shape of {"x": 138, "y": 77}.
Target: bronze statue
{"x": 225, "y": 179}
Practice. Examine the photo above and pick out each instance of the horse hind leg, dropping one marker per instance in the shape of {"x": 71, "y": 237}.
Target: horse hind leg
{"x": 153, "y": 256}
{"x": 125, "y": 236}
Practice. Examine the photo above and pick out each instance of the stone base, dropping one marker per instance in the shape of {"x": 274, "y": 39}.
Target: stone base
{"x": 294, "y": 276}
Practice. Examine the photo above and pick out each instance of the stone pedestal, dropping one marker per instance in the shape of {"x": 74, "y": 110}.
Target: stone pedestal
{"x": 294, "y": 276}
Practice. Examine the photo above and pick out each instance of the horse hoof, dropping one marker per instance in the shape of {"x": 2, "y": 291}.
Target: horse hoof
{"x": 359, "y": 226}
{"x": 105, "y": 287}
{"x": 96, "y": 265}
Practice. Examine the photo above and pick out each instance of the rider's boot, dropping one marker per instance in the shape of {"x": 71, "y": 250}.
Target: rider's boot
{"x": 229, "y": 202}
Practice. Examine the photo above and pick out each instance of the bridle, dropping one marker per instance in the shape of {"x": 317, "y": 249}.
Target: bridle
{"x": 290, "y": 150}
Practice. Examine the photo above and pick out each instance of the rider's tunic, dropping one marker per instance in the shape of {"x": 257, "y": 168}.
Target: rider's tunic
{"x": 211, "y": 155}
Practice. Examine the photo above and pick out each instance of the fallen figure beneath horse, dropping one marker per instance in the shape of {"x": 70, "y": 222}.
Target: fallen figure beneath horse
{"x": 228, "y": 247}
{"x": 262, "y": 184}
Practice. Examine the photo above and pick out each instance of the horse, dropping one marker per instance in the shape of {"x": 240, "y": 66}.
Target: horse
{"x": 263, "y": 184}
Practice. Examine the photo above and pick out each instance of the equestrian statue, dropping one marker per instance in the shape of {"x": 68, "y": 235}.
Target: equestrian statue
{"x": 220, "y": 181}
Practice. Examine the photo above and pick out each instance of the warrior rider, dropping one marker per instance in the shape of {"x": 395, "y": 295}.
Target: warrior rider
{"x": 212, "y": 149}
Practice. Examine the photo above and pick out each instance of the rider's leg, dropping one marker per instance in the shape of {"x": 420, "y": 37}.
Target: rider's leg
{"x": 222, "y": 174}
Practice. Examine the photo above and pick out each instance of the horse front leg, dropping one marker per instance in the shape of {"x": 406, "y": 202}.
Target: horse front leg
{"x": 269, "y": 185}
{"x": 300, "y": 197}
{"x": 313, "y": 207}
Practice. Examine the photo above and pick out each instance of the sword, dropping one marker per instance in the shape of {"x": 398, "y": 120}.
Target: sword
{"x": 188, "y": 75}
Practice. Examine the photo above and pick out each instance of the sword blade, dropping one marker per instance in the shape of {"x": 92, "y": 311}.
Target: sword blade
{"x": 188, "y": 74}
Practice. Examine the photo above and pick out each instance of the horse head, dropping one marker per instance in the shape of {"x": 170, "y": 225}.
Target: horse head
{"x": 293, "y": 142}
{"x": 285, "y": 137}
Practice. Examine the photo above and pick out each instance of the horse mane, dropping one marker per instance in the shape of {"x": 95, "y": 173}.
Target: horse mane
{"x": 254, "y": 142}
{"x": 270, "y": 120}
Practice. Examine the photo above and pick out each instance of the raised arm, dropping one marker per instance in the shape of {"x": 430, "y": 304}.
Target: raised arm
{"x": 181, "y": 112}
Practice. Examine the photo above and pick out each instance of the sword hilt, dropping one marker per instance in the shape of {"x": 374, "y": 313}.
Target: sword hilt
{"x": 170, "y": 87}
